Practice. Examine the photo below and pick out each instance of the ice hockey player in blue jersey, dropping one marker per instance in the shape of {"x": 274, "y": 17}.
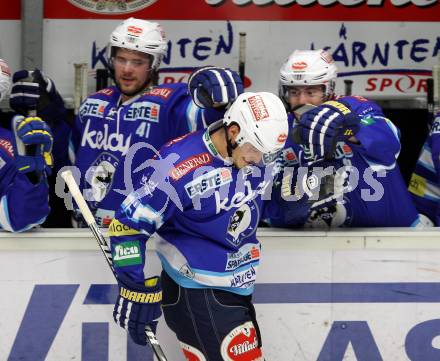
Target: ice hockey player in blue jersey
{"x": 350, "y": 135}
{"x": 120, "y": 126}
{"x": 425, "y": 181}
{"x": 204, "y": 195}
{"x": 25, "y": 158}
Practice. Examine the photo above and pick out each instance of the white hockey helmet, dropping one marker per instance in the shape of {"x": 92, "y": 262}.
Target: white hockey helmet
{"x": 308, "y": 67}
{"x": 262, "y": 119}
{"x": 5, "y": 79}
{"x": 139, "y": 35}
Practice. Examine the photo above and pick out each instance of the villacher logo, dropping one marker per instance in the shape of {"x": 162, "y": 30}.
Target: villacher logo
{"x": 112, "y": 6}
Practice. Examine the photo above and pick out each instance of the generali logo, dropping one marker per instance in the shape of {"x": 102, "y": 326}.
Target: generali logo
{"x": 190, "y": 164}
{"x": 112, "y": 6}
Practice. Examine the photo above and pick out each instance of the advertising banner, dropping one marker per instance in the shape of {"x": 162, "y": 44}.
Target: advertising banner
{"x": 386, "y": 47}
{"x": 318, "y": 297}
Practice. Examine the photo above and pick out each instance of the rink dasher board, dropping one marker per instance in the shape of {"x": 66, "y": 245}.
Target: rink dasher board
{"x": 377, "y": 288}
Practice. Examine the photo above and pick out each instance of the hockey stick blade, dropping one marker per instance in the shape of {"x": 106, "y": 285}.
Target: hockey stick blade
{"x": 90, "y": 220}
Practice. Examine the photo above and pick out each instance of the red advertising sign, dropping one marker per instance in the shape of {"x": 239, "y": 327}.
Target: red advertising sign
{"x": 10, "y": 10}
{"x": 285, "y": 10}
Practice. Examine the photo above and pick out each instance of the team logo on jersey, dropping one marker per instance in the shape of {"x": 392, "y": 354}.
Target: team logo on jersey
{"x": 248, "y": 253}
{"x": 189, "y": 165}
{"x": 100, "y": 177}
{"x": 143, "y": 111}
{"x": 211, "y": 180}
{"x": 243, "y": 223}
{"x": 93, "y": 107}
{"x": 258, "y": 108}
{"x": 127, "y": 254}
{"x": 241, "y": 344}
{"x": 6, "y": 145}
{"x": 163, "y": 93}
{"x": 186, "y": 271}
{"x": 112, "y": 6}
{"x": 111, "y": 114}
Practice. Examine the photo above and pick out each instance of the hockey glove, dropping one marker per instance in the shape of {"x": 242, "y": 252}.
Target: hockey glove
{"x": 33, "y": 90}
{"x": 138, "y": 306}
{"x": 320, "y": 128}
{"x": 32, "y": 145}
{"x": 311, "y": 183}
{"x": 214, "y": 87}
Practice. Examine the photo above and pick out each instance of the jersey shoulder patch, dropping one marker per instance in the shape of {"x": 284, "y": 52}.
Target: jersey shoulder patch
{"x": 165, "y": 92}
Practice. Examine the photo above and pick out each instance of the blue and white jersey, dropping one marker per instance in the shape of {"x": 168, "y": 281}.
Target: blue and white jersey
{"x": 205, "y": 212}
{"x": 375, "y": 194}
{"x": 111, "y": 139}
{"x": 425, "y": 181}
{"x": 23, "y": 205}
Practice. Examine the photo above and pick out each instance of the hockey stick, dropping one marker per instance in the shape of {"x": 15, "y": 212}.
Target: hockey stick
{"x": 90, "y": 220}
{"x": 242, "y": 57}
{"x": 430, "y": 101}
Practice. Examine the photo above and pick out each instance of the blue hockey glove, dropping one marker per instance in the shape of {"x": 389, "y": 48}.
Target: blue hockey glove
{"x": 32, "y": 145}
{"x": 214, "y": 87}
{"x": 320, "y": 128}
{"x": 138, "y": 306}
{"x": 33, "y": 90}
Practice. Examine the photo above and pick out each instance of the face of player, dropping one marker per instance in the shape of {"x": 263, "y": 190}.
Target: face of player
{"x": 313, "y": 94}
{"x": 246, "y": 155}
{"x": 132, "y": 71}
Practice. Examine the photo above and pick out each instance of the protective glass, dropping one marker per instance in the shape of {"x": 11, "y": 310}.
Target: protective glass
{"x": 306, "y": 91}
{"x": 135, "y": 63}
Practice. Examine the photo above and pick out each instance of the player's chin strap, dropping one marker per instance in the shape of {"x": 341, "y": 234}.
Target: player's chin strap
{"x": 229, "y": 146}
